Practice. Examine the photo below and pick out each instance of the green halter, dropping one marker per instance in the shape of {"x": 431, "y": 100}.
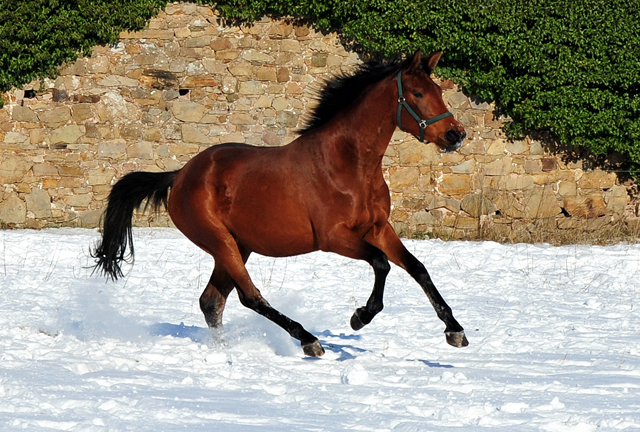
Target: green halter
{"x": 422, "y": 123}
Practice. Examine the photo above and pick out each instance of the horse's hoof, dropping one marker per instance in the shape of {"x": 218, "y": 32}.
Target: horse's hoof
{"x": 218, "y": 336}
{"x": 356, "y": 324}
{"x": 457, "y": 339}
{"x": 313, "y": 349}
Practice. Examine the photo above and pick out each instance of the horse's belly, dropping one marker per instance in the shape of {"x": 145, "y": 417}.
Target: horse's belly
{"x": 274, "y": 223}
{"x": 274, "y": 236}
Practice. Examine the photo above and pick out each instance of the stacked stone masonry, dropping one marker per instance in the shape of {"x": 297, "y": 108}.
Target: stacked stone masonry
{"x": 187, "y": 82}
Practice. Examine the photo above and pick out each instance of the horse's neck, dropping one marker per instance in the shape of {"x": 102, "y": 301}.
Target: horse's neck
{"x": 367, "y": 126}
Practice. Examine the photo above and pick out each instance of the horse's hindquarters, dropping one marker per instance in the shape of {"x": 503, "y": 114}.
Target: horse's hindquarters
{"x": 255, "y": 195}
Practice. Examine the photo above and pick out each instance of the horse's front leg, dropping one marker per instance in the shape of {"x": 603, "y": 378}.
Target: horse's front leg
{"x": 346, "y": 243}
{"x": 363, "y": 315}
{"x": 387, "y": 240}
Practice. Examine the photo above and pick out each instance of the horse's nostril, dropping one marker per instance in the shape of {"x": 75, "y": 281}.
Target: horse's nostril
{"x": 454, "y": 135}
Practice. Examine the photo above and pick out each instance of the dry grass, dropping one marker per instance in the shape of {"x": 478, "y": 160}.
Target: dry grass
{"x": 590, "y": 232}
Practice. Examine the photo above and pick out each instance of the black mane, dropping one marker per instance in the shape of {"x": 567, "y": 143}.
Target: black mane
{"x": 341, "y": 90}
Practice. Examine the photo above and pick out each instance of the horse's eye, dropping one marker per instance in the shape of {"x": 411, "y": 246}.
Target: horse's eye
{"x": 417, "y": 94}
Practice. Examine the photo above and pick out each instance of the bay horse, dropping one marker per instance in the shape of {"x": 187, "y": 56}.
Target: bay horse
{"x": 323, "y": 191}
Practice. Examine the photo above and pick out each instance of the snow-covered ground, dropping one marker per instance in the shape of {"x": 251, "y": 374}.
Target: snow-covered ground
{"x": 553, "y": 331}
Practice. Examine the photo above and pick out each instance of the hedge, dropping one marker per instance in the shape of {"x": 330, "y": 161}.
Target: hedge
{"x": 567, "y": 68}
{"x": 37, "y": 36}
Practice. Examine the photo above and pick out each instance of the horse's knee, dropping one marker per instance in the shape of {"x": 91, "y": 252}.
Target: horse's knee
{"x": 380, "y": 264}
{"x": 419, "y": 272}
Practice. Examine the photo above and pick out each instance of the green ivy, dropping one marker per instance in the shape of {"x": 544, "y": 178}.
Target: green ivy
{"x": 563, "y": 67}
{"x": 37, "y": 36}
{"x": 568, "y": 68}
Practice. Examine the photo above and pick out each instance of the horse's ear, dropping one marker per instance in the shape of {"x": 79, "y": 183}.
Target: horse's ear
{"x": 414, "y": 63}
{"x": 431, "y": 62}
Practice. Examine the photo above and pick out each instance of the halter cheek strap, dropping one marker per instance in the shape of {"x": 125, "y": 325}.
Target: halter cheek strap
{"x": 422, "y": 123}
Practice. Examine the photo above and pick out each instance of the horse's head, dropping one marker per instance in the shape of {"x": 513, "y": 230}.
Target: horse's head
{"x": 421, "y": 110}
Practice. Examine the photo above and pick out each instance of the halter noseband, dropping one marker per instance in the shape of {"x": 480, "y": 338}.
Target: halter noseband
{"x": 422, "y": 123}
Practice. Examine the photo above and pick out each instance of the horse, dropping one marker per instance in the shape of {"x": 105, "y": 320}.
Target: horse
{"x": 323, "y": 191}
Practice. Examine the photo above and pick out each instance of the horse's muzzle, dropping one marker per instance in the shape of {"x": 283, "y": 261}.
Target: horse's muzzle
{"x": 454, "y": 138}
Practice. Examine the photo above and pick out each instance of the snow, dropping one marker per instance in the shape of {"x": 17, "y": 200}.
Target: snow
{"x": 553, "y": 335}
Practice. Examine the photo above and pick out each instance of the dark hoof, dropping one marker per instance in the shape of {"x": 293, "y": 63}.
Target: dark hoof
{"x": 356, "y": 324}
{"x": 313, "y": 349}
{"x": 457, "y": 339}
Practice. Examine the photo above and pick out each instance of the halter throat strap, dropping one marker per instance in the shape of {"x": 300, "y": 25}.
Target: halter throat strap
{"x": 402, "y": 102}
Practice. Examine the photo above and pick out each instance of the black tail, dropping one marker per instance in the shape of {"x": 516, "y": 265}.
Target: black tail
{"x": 126, "y": 196}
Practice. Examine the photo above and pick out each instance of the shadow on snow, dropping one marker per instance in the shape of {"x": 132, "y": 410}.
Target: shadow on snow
{"x": 197, "y": 334}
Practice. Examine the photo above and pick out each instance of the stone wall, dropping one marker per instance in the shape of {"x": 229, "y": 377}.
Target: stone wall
{"x": 187, "y": 82}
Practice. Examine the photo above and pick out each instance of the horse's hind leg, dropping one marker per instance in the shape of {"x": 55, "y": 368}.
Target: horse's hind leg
{"x": 214, "y": 297}
{"x": 250, "y": 297}
{"x": 229, "y": 256}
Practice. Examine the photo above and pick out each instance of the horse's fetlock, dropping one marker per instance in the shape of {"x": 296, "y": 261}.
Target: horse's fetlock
{"x": 377, "y": 307}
